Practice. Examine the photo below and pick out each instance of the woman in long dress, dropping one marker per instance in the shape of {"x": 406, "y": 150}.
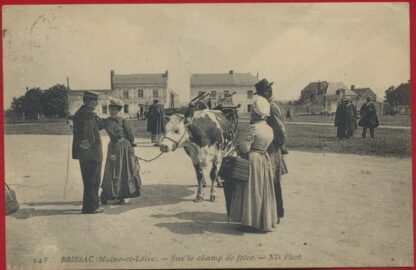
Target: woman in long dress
{"x": 253, "y": 203}
{"x": 121, "y": 177}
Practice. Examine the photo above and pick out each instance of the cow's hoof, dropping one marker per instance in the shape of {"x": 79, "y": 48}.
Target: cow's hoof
{"x": 212, "y": 198}
{"x": 199, "y": 198}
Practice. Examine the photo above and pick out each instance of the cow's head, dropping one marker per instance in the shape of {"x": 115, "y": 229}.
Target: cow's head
{"x": 176, "y": 133}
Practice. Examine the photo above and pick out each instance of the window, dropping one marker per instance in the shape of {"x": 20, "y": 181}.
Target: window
{"x": 126, "y": 108}
{"x": 249, "y": 107}
{"x": 104, "y": 109}
{"x": 155, "y": 93}
{"x": 126, "y": 93}
{"x": 250, "y": 94}
{"x": 140, "y": 93}
{"x": 213, "y": 94}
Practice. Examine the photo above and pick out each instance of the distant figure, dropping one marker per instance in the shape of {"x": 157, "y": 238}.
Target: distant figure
{"x": 155, "y": 121}
{"x": 121, "y": 177}
{"x": 369, "y": 118}
{"x": 351, "y": 118}
{"x": 86, "y": 147}
{"x": 140, "y": 112}
{"x": 289, "y": 114}
{"x": 341, "y": 119}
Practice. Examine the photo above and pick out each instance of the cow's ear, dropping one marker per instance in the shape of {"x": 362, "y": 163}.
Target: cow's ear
{"x": 167, "y": 118}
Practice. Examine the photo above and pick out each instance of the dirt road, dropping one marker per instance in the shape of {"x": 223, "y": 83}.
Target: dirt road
{"x": 341, "y": 210}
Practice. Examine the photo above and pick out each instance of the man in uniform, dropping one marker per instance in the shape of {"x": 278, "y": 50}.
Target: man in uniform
{"x": 86, "y": 147}
{"x": 276, "y": 150}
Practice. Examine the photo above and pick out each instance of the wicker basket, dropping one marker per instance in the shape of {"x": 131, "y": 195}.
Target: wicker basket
{"x": 234, "y": 169}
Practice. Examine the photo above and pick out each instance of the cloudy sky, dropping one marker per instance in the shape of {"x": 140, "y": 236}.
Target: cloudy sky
{"x": 365, "y": 44}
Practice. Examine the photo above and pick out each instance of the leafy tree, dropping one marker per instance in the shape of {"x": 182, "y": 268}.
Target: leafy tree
{"x": 32, "y": 104}
{"x": 17, "y": 106}
{"x": 55, "y": 101}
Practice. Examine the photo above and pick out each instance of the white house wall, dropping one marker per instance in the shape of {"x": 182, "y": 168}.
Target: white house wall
{"x": 240, "y": 97}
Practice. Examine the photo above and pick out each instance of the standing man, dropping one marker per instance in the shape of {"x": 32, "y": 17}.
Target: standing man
{"x": 276, "y": 150}
{"x": 341, "y": 119}
{"x": 155, "y": 122}
{"x": 369, "y": 118}
{"x": 86, "y": 147}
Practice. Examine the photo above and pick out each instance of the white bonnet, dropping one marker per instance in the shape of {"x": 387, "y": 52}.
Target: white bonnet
{"x": 261, "y": 106}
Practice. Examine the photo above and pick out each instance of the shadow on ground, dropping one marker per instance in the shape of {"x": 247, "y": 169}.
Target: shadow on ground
{"x": 26, "y": 213}
{"x": 74, "y": 203}
{"x": 199, "y": 223}
{"x": 152, "y": 195}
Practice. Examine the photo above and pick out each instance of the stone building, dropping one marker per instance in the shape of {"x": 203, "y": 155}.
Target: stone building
{"x": 324, "y": 96}
{"x": 137, "y": 91}
{"x": 222, "y": 85}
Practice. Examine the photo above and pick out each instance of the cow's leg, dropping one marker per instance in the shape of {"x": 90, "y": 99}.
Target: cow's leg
{"x": 216, "y": 163}
{"x": 200, "y": 176}
{"x": 195, "y": 162}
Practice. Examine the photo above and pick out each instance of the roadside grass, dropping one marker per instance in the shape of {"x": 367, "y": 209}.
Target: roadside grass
{"x": 312, "y": 138}
{"x": 387, "y": 120}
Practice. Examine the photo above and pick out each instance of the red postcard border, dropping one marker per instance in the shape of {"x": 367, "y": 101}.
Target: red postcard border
{"x": 412, "y": 16}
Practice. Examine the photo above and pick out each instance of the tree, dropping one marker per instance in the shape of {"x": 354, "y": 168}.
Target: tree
{"x": 32, "y": 104}
{"x": 17, "y": 106}
{"x": 55, "y": 101}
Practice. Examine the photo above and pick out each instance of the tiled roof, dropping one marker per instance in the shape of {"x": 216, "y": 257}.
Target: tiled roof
{"x": 313, "y": 86}
{"x": 363, "y": 92}
{"x": 81, "y": 92}
{"x": 123, "y": 80}
{"x": 223, "y": 79}
{"x": 334, "y": 86}
{"x": 329, "y": 88}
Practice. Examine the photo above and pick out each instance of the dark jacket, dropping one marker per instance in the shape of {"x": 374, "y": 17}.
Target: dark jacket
{"x": 369, "y": 117}
{"x": 86, "y": 128}
{"x": 155, "y": 119}
{"x": 277, "y": 148}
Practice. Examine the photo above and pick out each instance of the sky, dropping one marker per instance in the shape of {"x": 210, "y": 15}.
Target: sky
{"x": 361, "y": 44}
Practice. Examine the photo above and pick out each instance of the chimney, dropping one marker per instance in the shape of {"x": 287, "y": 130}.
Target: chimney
{"x": 257, "y": 75}
{"x": 166, "y": 73}
{"x": 231, "y": 72}
{"x": 112, "y": 79}
{"x": 352, "y": 87}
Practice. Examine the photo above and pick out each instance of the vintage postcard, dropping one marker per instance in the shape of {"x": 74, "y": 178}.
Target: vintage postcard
{"x": 251, "y": 135}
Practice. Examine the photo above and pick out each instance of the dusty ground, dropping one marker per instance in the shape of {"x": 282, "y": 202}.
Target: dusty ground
{"x": 341, "y": 210}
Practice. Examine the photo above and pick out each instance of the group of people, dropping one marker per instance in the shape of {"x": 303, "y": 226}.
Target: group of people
{"x": 346, "y": 118}
{"x": 121, "y": 177}
{"x": 257, "y": 203}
